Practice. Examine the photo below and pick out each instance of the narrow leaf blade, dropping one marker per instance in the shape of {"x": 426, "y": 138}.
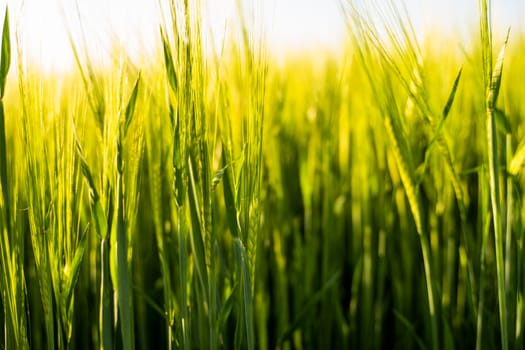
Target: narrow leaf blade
{"x": 6, "y": 54}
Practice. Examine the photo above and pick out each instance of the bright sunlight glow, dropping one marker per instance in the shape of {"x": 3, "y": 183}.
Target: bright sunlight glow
{"x": 42, "y": 25}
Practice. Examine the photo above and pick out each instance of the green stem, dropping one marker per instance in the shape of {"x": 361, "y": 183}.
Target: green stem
{"x": 106, "y": 309}
{"x": 498, "y": 236}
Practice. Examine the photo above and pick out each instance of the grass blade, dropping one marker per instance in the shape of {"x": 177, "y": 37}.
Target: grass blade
{"x": 246, "y": 299}
{"x": 130, "y": 108}
{"x": 5, "y": 60}
{"x": 495, "y": 84}
{"x": 492, "y": 85}
{"x": 168, "y": 62}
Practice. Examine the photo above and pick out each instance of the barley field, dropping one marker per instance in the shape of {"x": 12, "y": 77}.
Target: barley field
{"x": 370, "y": 198}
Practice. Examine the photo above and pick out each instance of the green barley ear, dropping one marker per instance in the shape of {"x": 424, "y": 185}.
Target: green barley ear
{"x": 380, "y": 70}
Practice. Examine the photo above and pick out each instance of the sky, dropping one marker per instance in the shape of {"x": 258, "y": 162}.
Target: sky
{"x": 289, "y": 24}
